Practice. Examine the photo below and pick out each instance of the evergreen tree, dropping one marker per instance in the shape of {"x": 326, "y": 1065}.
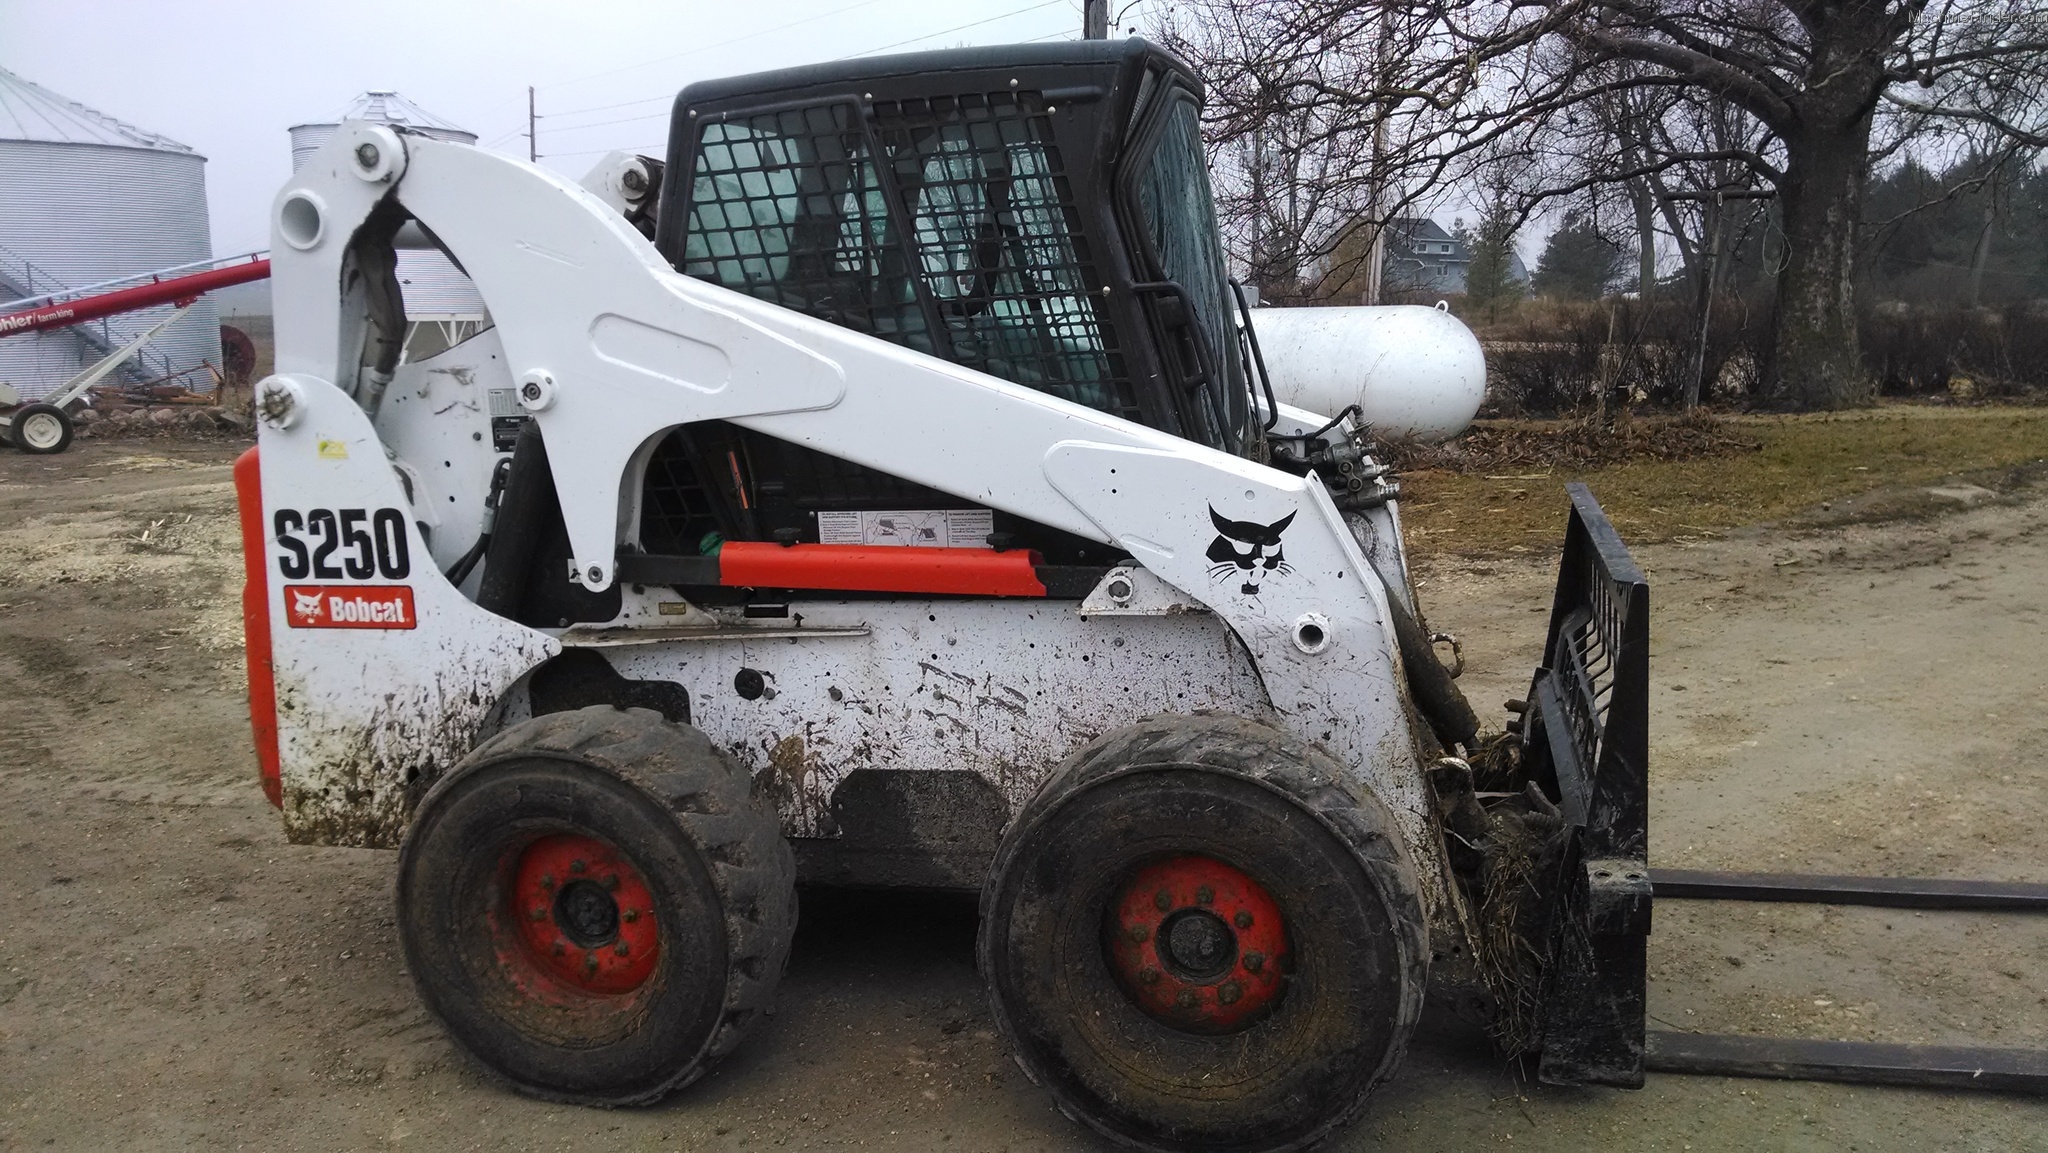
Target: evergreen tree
{"x": 1578, "y": 263}
{"x": 1490, "y": 285}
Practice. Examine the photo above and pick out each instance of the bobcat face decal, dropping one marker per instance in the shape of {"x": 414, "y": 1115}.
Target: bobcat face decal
{"x": 307, "y": 605}
{"x": 1248, "y": 550}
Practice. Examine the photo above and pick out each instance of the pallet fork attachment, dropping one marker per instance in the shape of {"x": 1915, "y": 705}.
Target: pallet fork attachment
{"x": 1586, "y": 741}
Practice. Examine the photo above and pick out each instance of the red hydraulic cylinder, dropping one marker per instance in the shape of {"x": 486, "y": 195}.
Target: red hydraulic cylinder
{"x": 174, "y": 290}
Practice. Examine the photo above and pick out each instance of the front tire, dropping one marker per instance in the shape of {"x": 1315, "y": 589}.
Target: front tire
{"x": 1200, "y": 936}
{"x": 39, "y": 428}
{"x": 595, "y": 905}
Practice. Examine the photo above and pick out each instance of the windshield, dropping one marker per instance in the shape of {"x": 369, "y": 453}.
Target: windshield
{"x": 1180, "y": 221}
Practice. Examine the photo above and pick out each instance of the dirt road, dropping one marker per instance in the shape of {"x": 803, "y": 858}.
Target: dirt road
{"x": 1859, "y": 698}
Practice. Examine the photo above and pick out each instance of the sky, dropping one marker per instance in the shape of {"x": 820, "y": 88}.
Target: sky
{"x": 228, "y": 77}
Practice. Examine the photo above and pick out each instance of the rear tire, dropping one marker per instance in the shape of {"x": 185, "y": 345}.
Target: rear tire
{"x": 596, "y": 906}
{"x": 39, "y": 428}
{"x": 1131, "y": 955}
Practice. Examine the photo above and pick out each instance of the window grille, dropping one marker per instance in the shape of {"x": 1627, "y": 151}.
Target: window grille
{"x": 957, "y": 234}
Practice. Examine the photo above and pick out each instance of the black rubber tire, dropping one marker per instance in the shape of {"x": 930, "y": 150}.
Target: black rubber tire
{"x": 712, "y": 855}
{"x": 18, "y": 428}
{"x": 1282, "y": 812}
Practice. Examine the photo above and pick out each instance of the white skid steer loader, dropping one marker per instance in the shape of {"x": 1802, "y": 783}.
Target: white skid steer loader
{"x": 883, "y": 490}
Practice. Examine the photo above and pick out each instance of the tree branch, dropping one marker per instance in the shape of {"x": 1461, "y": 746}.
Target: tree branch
{"x": 1754, "y": 98}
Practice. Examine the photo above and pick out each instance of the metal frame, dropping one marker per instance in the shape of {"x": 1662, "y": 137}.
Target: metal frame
{"x": 78, "y": 385}
{"x": 1884, "y": 892}
{"x": 1586, "y": 742}
{"x": 1854, "y": 1062}
{"x": 1850, "y": 1062}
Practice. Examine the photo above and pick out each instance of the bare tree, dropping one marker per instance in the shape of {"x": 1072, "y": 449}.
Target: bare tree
{"x": 1807, "y": 92}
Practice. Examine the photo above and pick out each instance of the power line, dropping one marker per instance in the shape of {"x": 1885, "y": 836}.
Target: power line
{"x": 651, "y": 99}
{"x": 649, "y": 150}
{"x": 956, "y": 28}
{"x": 671, "y": 96}
{"x": 711, "y": 47}
{"x": 603, "y": 123}
{"x": 609, "y": 107}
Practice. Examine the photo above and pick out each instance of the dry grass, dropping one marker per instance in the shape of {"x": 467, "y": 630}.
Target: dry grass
{"x": 1800, "y": 464}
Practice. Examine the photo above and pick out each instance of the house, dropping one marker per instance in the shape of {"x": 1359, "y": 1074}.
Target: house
{"x": 1423, "y": 258}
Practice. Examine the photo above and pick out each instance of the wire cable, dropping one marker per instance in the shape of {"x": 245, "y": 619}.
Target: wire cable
{"x": 713, "y": 47}
{"x": 955, "y": 28}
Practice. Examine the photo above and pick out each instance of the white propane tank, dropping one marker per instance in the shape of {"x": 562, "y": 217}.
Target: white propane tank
{"x": 1412, "y": 370}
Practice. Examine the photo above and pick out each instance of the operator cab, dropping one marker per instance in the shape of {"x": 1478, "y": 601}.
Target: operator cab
{"x": 1040, "y": 213}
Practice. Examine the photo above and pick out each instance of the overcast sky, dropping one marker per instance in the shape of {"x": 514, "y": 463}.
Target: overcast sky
{"x": 228, "y": 77}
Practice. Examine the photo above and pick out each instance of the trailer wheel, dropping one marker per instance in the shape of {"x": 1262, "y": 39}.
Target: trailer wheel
{"x": 1198, "y": 935}
{"x": 39, "y": 428}
{"x": 595, "y": 905}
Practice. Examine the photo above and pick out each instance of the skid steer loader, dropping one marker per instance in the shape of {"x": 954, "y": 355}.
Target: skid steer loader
{"x": 882, "y": 489}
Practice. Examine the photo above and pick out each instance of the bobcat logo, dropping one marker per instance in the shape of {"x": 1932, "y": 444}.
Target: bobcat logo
{"x": 306, "y": 605}
{"x": 1248, "y": 548}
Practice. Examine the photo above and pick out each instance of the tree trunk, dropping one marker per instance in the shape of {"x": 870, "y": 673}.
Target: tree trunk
{"x": 1983, "y": 253}
{"x": 1646, "y": 238}
{"x": 1816, "y": 362}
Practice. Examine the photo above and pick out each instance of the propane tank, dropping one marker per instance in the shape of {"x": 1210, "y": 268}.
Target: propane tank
{"x": 1412, "y": 370}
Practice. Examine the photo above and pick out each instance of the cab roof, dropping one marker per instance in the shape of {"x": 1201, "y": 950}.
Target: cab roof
{"x": 1130, "y": 51}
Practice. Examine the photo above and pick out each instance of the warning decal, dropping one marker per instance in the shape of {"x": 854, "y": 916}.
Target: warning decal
{"x": 927, "y": 528}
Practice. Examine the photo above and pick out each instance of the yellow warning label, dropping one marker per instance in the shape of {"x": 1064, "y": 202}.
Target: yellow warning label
{"x": 333, "y": 450}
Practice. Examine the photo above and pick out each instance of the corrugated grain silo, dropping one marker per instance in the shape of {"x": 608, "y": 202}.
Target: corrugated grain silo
{"x": 435, "y": 291}
{"x": 87, "y": 198}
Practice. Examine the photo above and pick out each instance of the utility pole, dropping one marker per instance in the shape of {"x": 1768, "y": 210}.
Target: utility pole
{"x": 532, "y": 143}
{"x": 1376, "y": 258}
{"x": 1095, "y": 20}
{"x": 1713, "y": 238}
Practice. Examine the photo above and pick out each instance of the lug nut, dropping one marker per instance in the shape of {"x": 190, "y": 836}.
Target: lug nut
{"x": 611, "y": 883}
{"x": 1253, "y": 962}
{"x": 1205, "y": 896}
{"x": 1137, "y": 934}
{"x": 547, "y": 880}
{"x": 619, "y": 948}
{"x": 1163, "y": 901}
{"x": 540, "y": 914}
{"x": 561, "y": 947}
{"x": 1230, "y": 992}
{"x": 590, "y": 963}
{"x": 630, "y": 916}
{"x": 1243, "y": 920}
{"x": 1148, "y": 976}
{"x": 577, "y": 866}
{"x": 1187, "y": 999}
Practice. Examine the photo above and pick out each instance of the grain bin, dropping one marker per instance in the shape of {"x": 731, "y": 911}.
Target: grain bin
{"x": 435, "y": 291}
{"x": 87, "y": 198}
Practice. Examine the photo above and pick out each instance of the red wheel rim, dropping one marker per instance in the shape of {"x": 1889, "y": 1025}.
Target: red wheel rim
{"x": 1198, "y": 945}
{"x": 580, "y": 917}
